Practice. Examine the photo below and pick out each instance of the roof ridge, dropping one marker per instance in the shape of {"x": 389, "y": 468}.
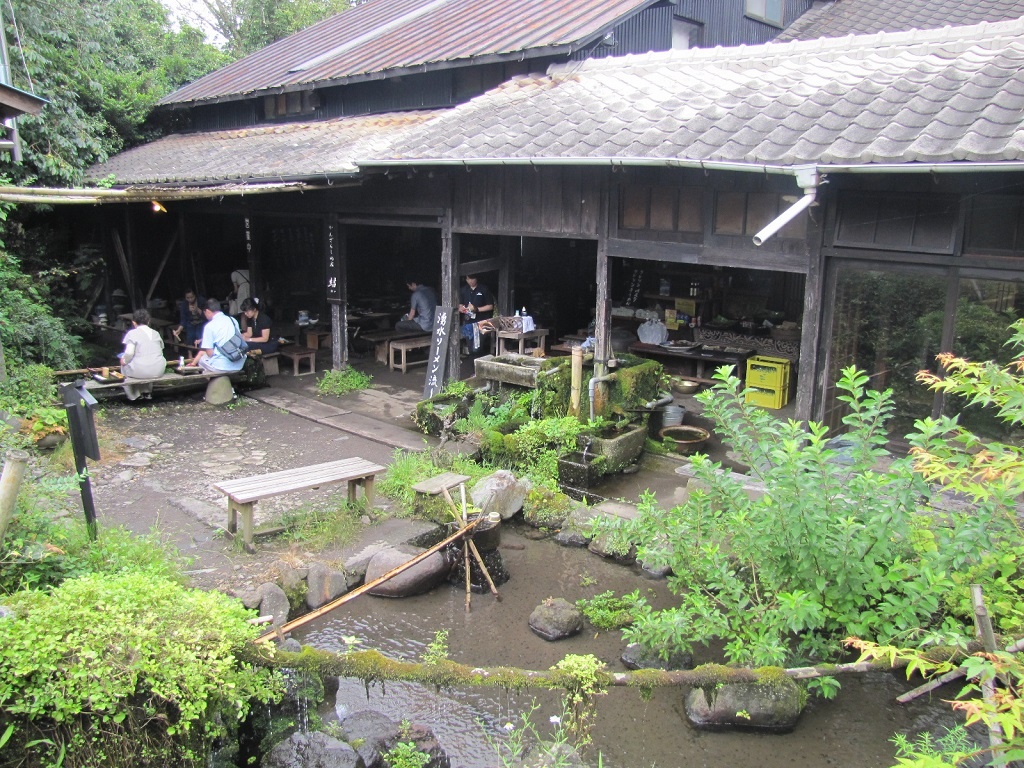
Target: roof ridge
{"x": 975, "y": 34}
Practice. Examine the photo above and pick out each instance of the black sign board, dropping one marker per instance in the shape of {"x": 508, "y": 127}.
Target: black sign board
{"x": 444, "y": 319}
{"x": 80, "y": 405}
{"x": 333, "y": 266}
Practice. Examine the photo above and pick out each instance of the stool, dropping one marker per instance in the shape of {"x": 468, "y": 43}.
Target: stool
{"x": 316, "y": 339}
{"x": 538, "y": 335}
{"x": 297, "y": 355}
{"x": 270, "y": 366}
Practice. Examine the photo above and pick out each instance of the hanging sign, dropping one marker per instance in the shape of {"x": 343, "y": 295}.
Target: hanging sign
{"x": 444, "y": 317}
{"x": 333, "y": 266}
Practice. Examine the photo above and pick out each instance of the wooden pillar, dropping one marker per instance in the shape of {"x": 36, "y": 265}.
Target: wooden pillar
{"x": 450, "y": 293}
{"x": 603, "y": 310}
{"x": 812, "y": 369}
{"x": 129, "y": 252}
{"x": 336, "y": 270}
{"x": 252, "y": 259}
{"x": 506, "y": 250}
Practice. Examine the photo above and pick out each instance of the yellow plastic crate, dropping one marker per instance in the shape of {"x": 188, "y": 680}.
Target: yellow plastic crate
{"x": 767, "y": 372}
{"x": 767, "y": 398}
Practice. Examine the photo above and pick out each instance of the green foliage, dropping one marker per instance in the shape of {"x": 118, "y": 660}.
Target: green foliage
{"x": 408, "y": 468}
{"x": 437, "y": 649}
{"x": 405, "y": 755}
{"x": 322, "y": 526}
{"x": 102, "y": 66}
{"x": 1001, "y": 573}
{"x": 951, "y": 748}
{"x": 835, "y": 546}
{"x": 534, "y": 448}
{"x": 28, "y": 330}
{"x": 342, "y": 382}
{"x": 518, "y": 742}
{"x": 608, "y": 612}
{"x": 129, "y": 669}
{"x": 545, "y": 507}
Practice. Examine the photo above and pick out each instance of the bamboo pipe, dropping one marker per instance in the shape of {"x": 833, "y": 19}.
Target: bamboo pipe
{"x": 15, "y": 463}
{"x": 289, "y": 626}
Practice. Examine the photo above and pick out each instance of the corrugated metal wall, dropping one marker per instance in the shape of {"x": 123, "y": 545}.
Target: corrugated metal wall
{"x": 423, "y": 91}
{"x": 724, "y": 22}
{"x": 224, "y": 117}
{"x": 650, "y": 30}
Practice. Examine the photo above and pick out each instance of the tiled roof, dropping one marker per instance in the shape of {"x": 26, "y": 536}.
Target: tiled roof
{"x": 955, "y": 94}
{"x": 382, "y": 35}
{"x": 287, "y": 151}
{"x": 864, "y": 17}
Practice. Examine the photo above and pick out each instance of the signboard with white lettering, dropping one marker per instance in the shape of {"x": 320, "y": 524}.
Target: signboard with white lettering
{"x": 444, "y": 319}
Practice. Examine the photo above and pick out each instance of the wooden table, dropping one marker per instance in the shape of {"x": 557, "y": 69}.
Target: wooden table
{"x": 297, "y": 355}
{"x": 700, "y": 357}
{"x": 315, "y": 339}
{"x": 522, "y": 337}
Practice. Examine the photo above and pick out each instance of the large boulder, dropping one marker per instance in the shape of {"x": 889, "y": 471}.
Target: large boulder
{"x": 556, "y": 619}
{"x": 219, "y": 391}
{"x": 501, "y": 493}
{"x": 418, "y": 579}
{"x": 323, "y": 584}
{"x": 312, "y": 750}
{"x": 771, "y": 703}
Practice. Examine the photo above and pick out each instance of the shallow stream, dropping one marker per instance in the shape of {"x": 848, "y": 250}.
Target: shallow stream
{"x": 852, "y": 731}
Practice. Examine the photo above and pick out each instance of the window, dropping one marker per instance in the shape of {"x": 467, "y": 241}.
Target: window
{"x": 768, "y": 11}
{"x": 925, "y": 224}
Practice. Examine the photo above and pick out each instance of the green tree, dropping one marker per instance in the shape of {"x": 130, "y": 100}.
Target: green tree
{"x": 249, "y": 25}
{"x": 102, "y": 64}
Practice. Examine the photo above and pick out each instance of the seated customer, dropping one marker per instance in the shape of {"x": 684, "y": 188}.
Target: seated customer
{"x": 190, "y": 318}
{"x": 421, "y": 308}
{"x": 143, "y": 356}
{"x": 219, "y": 330}
{"x": 258, "y": 331}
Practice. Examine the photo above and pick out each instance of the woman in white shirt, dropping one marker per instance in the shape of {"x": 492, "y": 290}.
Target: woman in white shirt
{"x": 143, "y": 356}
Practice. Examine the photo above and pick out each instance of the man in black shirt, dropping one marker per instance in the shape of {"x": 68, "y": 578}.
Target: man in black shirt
{"x": 476, "y": 303}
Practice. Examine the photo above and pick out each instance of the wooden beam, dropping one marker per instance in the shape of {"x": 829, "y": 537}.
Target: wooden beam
{"x": 450, "y": 294}
{"x": 160, "y": 269}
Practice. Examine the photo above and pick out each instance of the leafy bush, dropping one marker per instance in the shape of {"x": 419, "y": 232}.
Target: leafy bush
{"x": 608, "y": 612}
{"x": 28, "y": 329}
{"x": 405, "y": 755}
{"x": 342, "y": 382}
{"x": 125, "y": 670}
{"x": 832, "y": 548}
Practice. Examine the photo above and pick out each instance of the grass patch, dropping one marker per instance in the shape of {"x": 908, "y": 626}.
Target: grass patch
{"x": 342, "y": 382}
{"x": 318, "y": 528}
{"x": 408, "y": 468}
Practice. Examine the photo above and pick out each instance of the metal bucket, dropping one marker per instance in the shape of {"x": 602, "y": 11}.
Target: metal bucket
{"x": 673, "y": 416}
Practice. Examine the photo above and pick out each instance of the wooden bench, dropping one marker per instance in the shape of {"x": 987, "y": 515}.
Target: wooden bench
{"x": 404, "y": 346}
{"x": 538, "y": 334}
{"x": 246, "y": 491}
{"x": 382, "y": 342}
{"x": 297, "y": 355}
{"x": 317, "y": 339}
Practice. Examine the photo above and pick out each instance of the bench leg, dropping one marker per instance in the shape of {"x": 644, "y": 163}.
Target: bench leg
{"x": 368, "y": 491}
{"x": 245, "y": 510}
{"x": 352, "y": 491}
{"x": 232, "y": 517}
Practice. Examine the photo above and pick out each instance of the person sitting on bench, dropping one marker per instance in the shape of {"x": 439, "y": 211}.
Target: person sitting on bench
{"x": 220, "y": 329}
{"x": 143, "y": 357}
{"x": 421, "y": 309}
{"x": 258, "y": 332}
{"x": 190, "y": 318}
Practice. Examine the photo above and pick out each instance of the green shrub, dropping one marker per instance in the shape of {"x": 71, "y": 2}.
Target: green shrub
{"x": 405, "y": 755}
{"x": 29, "y": 331}
{"x": 608, "y": 612}
{"x": 545, "y": 507}
{"x": 125, "y": 670}
{"x": 342, "y": 382}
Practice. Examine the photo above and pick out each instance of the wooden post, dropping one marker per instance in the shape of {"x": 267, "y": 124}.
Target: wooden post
{"x": 160, "y": 269}
{"x": 505, "y": 251}
{"x": 603, "y": 314}
{"x": 450, "y": 293}
{"x": 10, "y": 483}
{"x": 336, "y": 259}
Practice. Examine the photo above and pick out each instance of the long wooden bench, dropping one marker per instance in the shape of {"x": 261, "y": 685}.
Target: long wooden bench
{"x": 244, "y": 492}
{"x": 382, "y": 342}
{"x": 404, "y": 346}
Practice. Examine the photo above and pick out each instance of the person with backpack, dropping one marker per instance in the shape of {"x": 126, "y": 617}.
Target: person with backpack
{"x": 222, "y": 349}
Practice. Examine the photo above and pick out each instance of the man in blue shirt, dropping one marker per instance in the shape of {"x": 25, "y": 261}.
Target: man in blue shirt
{"x": 421, "y": 308}
{"x": 219, "y": 330}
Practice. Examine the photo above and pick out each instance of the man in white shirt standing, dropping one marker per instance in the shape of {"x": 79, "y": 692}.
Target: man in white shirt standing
{"x": 219, "y": 330}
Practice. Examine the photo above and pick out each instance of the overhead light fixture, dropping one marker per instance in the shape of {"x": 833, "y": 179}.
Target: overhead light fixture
{"x": 158, "y": 207}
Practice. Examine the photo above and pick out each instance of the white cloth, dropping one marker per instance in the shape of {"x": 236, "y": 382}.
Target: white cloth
{"x": 143, "y": 358}
{"x": 242, "y": 290}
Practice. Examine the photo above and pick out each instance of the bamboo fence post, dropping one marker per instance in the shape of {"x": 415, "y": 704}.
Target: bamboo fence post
{"x": 983, "y": 624}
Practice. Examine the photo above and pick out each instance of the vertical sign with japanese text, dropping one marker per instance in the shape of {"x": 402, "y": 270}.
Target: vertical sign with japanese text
{"x": 444, "y": 318}
{"x": 333, "y": 266}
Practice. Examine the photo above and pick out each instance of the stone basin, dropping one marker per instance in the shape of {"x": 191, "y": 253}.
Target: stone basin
{"x": 577, "y": 470}
{"x": 518, "y": 370}
{"x": 619, "y": 451}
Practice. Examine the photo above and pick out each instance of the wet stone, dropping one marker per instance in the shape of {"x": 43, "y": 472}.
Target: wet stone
{"x": 230, "y": 430}
{"x": 323, "y": 585}
{"x": 138, "y": 460}
{"x": 570, "y": 538}
{"x": 274, "y": 603}
{"x": 312, "y": 750}
{"x": 556, "y": 619}
{"x": 768, "y": 705}
{"x": 141, "y": 442}
{"x": 637, "y": 656}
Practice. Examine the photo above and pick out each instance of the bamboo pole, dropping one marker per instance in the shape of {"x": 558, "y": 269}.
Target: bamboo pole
{"x": 465, "y": 564}
{"x": 983, "y": 625}
{"x": 15, "y": 463}
{"x": 327, "y": 608}
{"x": 472, "y": 545}
{"x": 483, "y": 567}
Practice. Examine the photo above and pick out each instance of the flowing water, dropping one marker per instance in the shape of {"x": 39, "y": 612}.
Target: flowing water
{"x": 852, "y": 731}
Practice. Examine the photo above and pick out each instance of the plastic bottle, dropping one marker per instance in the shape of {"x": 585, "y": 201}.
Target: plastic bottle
{"x": 523, "y": 311}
